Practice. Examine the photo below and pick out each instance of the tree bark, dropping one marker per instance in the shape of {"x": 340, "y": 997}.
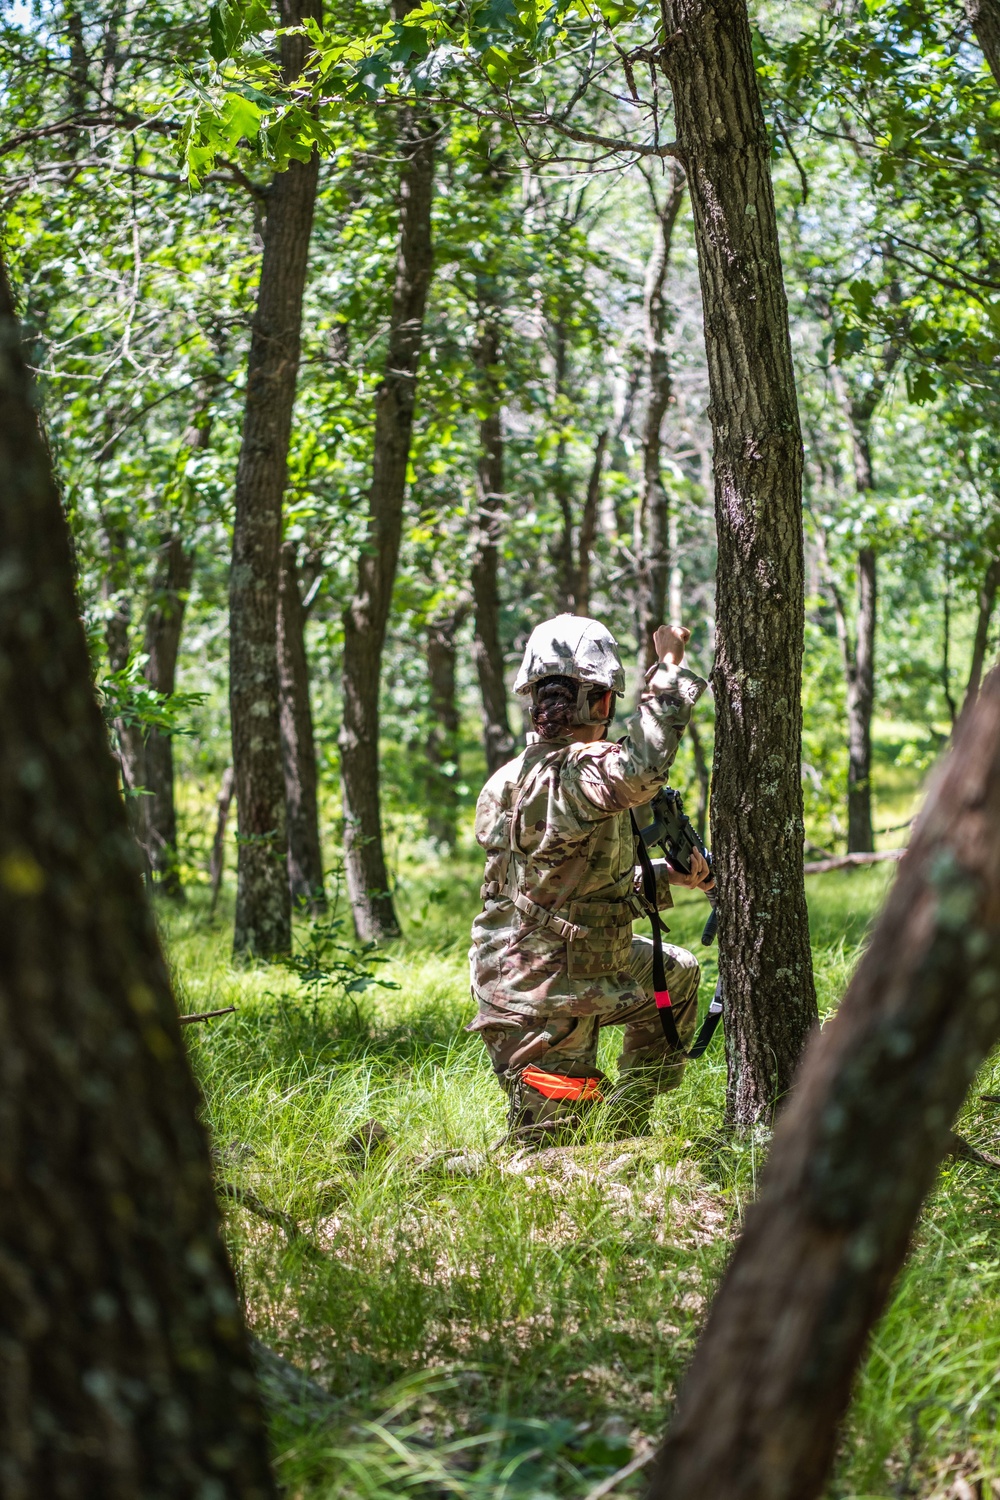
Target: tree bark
{"x": 852, "y": 1158}
{"x": 163, "y": 637}
{"x": 125, "y": 1366}
{"x": 588, "y": 528}
{"x": 654, "y": 557}
{"x": 442, "y": 741}
{"x": 860, "y": 704}
{"x": 263, "y": 906}
{"x": 366, "y": 616}
{"x": 563, "y": 551}
{"x": 218, "y": 858}
{"x": 298, "y": 744}
{"x": 490, "y": 492}
{"x": 984, "y": 17}
{"x": 859, "y": 662}
{"x": 987, "y": 599}
{"x": 757, "y": 826}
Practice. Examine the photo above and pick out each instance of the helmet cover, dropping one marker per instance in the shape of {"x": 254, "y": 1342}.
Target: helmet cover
{"x": 572, "y": 646}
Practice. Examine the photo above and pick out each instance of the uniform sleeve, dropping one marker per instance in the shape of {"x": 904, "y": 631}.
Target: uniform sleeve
{"x": 611, "y": 778}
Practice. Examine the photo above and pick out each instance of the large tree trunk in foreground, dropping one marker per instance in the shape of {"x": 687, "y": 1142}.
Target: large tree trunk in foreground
{"x": 163, "y": 638}
{"x": 852, "y": 1158}
{"x": 987, "y": 599}
{"x": 366, "y": 616}
{"x": 125, "y": 1368}
{"x": 442, "y": 741}
{"x": 487, "y": 651}
{"x": 654, "y": 557}
{"x": 757, "y": 829}
{"x": 263, "y": 907}
{"x": 984, "y": 16}
{"x": 298, "y": 744}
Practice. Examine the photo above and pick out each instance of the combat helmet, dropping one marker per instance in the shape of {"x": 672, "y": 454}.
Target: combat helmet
{"x": 575, "y": 647}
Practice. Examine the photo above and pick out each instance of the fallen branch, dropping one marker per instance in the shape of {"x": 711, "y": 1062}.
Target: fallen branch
{"x": 848, "y": 861}
{"x": 248, "y": 1199}
{"x": 205, "y": 1015}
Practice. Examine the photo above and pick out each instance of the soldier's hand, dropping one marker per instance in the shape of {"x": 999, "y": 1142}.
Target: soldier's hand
{"x": 669, "y": 641}
{"x": 700, "y": 877}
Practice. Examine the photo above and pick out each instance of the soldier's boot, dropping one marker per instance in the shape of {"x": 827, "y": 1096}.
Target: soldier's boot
{"x": 547, "y": 1109}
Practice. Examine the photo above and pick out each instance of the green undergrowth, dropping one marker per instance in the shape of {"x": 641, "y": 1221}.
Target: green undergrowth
{"x": 497, "y": 1324}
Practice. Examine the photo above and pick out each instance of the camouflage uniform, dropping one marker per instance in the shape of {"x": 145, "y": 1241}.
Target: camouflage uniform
{"x": 553, "y": 956}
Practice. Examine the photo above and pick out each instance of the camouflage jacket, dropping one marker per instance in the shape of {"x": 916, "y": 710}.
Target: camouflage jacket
{"x": 555, "y": 933}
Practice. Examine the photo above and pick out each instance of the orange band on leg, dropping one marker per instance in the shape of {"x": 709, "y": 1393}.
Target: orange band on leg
{"x": 557, "y": 1086}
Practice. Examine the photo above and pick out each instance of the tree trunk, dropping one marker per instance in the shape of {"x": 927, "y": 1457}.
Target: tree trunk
{"x": 563, "y": 554}
{"x": 298, "y": 745}
{"x": 442, "y": 741}
{"x": 125, "y": 1366}
{"x": 987, "y": 599}
{"x": 757, "y": 827}
{"x": 366, "y": 616}
{"x": 163, "y": 637}
{"x": 654, "y": 556}
{"x": 859, "y": 665}
{"x": 588, "y": 528}
{"x": 852, "y": 1158}
{"x": 860, "y": 703}
{"x": 263, "y": 907}
{"x": 486, "y": 648}
{"x": 984, "y": 17}
{"x": 218, "y": 858}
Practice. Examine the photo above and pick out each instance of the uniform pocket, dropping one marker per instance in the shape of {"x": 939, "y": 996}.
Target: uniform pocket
{"x": 605, "y": 945}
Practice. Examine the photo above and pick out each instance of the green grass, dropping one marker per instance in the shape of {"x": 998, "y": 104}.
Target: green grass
{"x": 515, "y": 1325}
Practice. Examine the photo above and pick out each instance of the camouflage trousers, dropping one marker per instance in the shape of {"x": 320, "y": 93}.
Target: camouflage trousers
{"x": 567, "y": 1046}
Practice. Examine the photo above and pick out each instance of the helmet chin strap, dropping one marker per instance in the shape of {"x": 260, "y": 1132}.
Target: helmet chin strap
{"x": 584, "y": 714}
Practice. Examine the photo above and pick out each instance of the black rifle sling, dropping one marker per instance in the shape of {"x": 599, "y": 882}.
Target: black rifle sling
{"x": 660, "y": 991}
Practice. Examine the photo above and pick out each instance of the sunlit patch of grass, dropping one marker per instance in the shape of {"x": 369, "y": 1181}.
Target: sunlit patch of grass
{"x": 480, "y": 1317}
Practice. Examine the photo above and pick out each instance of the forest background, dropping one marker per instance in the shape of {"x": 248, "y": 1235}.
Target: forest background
{"x": 561, "y": 433}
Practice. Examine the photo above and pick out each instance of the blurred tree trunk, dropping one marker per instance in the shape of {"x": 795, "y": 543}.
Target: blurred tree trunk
{"x": 765, "y": 958}
{"x": 366, "y": 616}
{"x": 852, "y": 1159}
{"x": 987, "y": 599}
{"x": 263, "y": 907}
{"x": 984, "y": 17}
{"x": 163, "y": 637}
{"x": 588, "y": 528}
{"x": 442, "y": 741}
{"x": 654, "y": 555}
{"x": 490, "y": 493}
{"x": 298, "y": 744}
{"x": 126, "y": 1370}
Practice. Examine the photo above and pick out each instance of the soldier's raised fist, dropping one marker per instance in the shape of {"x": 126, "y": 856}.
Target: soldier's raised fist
{"x": 670, "y": 641}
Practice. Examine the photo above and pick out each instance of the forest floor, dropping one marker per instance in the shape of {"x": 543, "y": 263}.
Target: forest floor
{"x": 488, "y": 1323}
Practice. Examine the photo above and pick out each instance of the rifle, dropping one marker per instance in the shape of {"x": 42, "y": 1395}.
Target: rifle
{"x": 670, "y": 828}
{"x": 664, "y": 824}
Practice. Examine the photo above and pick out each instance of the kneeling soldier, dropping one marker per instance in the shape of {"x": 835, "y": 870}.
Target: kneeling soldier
{"x": 553, "y": 956}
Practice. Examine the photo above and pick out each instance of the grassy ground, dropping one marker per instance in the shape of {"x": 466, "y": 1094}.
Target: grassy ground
{"x": 514, "y": 1325}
